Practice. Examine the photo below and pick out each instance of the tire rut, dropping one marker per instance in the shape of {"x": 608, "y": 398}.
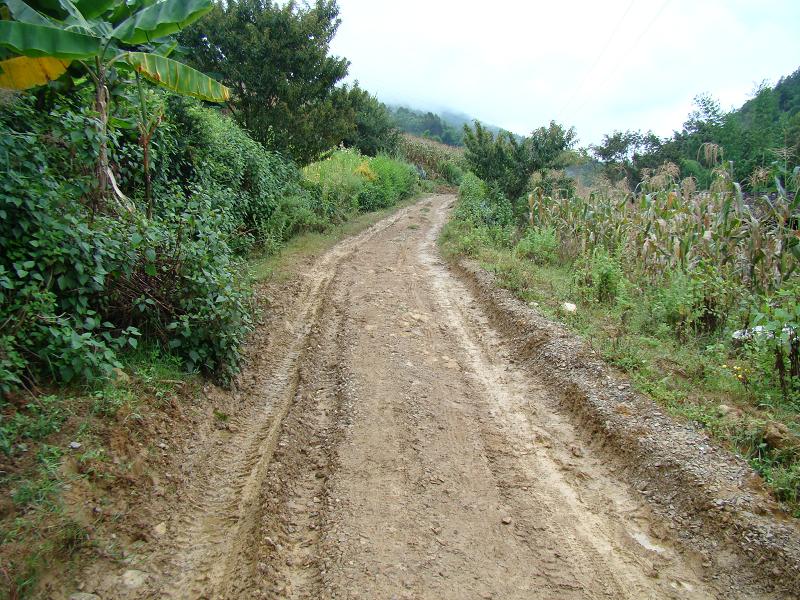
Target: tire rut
{"x": 220, "y": 545}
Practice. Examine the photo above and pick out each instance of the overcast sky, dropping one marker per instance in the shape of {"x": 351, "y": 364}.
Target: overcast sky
{"x": 597, "y": 65}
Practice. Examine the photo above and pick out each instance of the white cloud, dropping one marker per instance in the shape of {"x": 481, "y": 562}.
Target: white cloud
{"x": 520, "y": 64}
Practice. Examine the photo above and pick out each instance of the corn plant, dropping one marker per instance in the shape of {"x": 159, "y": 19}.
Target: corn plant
{"x": 438, "y": 160}
{"x": 674, "y": 227}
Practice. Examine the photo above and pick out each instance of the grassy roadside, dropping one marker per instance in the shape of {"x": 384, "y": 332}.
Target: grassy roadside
{"x": 693, "y": 377}
{"x": 67, "y": 453}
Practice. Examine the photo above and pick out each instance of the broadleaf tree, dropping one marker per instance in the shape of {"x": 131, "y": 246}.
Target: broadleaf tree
{"x": 276, "y": 58}
{"x": 509, "y": 161}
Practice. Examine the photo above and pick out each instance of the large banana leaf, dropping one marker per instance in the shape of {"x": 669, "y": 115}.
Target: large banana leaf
{"x": 24, "y": 13}
{"x": 24, "y": 72}
{"x": 37, "y": 40}
{"x": 124, "y": 9}
{"x": 160, "y": 19}
{"x": 176, "y": 76}
{"x": 74, "y": 17}
{"x": 94, "y": 8}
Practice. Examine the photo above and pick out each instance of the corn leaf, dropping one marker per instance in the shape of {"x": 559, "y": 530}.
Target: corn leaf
{"x": 177, "y": 77}
{"x": 38, "y": 40}
{"x": 160, "y": 19}
{"x": 24, "y": 72}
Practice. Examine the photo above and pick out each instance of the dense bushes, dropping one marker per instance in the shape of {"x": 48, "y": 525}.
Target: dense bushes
{"x": 539, "y": 244}
{"x": 482, "y": 205}
{"x": 259, "y": 193}
{"x": 78, "y": 287}
{"x": 347, "y": 182}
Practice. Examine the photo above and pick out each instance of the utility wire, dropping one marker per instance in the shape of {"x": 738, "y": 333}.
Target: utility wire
{"x": 597, "y": 60}
{"x": 620, "y": 62}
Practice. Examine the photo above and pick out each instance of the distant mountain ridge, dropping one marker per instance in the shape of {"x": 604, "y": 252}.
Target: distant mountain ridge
{"x": 446, "y": 127}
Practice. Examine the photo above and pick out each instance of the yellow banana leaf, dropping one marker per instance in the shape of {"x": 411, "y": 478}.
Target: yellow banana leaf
{"x": 177, "y": 76}
{"x": 24, "y": 72}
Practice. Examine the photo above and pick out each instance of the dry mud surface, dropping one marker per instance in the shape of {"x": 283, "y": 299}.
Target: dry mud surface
{"x": 405, "y": 432}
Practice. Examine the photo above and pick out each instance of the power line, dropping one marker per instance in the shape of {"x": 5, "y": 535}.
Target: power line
{"x": 599, "y": 57}
{"x": 619, "y": 63}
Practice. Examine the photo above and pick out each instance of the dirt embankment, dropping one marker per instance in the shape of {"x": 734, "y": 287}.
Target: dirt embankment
{"x": 401, "y": 432}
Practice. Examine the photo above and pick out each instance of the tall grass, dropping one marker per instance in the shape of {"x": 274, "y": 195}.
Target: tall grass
{"x": 347, "y": 182}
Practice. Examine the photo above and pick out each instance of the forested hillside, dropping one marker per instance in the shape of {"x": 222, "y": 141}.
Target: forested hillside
{"x": 446, "y": 128}
{"x": 755, "y": 142}
{"x": 426, "y": 124}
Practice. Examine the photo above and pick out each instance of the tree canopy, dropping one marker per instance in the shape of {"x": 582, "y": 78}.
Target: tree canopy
{"x": 755, "y": 143}
{"x": 276, "y": 59}
{"x": 508, "y": 161}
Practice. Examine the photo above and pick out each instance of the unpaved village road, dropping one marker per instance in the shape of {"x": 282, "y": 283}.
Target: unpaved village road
{"x": 393, "y": 449}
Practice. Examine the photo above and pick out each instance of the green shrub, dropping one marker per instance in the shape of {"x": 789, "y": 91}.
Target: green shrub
{"x": 247, "y": 183}
{"x": 347, "y": 182}
{"x": 775, "y": 345}
{"x": 600, "y": 276}
{"x": 452, "y": 173}
{"x": 186, "y": 289}
{"x": 393, "y": 181}
{"x": 337, "y": 181}
{"x": 697, "y": 301}
{"x": 539, "y": 244}
{"x": 55, "y": 260}
{"x": 77, "y": 289}
{"x": 480, "y": 204}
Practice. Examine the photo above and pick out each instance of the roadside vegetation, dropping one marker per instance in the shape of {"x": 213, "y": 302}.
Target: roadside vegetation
{"x": 693, "y": 293}
{"x": 436, "y": 160}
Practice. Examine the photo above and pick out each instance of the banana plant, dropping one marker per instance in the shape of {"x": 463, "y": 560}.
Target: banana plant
{"x": 42, "y": 38}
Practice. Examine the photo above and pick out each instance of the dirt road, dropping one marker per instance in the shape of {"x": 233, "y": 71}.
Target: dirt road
{"x": 387, "y": 446}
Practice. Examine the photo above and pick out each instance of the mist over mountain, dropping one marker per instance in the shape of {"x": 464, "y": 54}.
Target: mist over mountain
{"x": 445, "y": 125}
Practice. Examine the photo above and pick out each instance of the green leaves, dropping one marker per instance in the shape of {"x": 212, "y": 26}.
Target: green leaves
{"x": 38, "y": 40}
{"x": 25, "y": 14}
{"x": 177, "y": 77}
{"x": 91, "y": 9}
{"x": 159, "y": 20}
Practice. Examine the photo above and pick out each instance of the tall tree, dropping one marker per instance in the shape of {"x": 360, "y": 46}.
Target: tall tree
{"x": 374, "y": 130}
{"x": 509, "y": 161}
{"x": 276, "y": 58}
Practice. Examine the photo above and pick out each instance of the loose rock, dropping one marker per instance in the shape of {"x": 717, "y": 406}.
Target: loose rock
{"x": 134, "y": 579}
